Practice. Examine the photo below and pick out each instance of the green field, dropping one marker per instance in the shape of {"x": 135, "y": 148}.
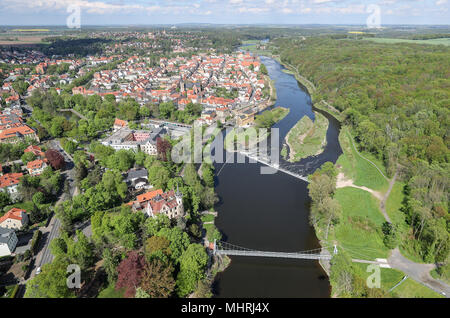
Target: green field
{"x": 359, "y": 231}
{"x": 307, "y": 138}
{"x": 254, "y": 47}
{"x": 357, "y": 168}
{"x": 443, "y": 41}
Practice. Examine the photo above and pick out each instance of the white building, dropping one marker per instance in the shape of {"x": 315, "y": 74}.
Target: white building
{"x": 8, "y": 241}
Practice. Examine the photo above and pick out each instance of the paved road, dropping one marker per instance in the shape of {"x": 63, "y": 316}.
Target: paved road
{"x": 53, "y": 228}
{"x": 418, "y": 272}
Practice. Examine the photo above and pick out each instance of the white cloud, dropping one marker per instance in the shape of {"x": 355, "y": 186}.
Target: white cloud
{"x": 441, "y": 2}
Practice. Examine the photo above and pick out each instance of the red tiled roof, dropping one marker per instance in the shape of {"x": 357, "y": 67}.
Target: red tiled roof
{"x": 10, "y": 179}
{"x": 121, "y": 123}
{"x": 11, "y": 132}
{"x": 149, "y": 195}
{"x": 14, "y": 213}
{"x": 36, "y": 164}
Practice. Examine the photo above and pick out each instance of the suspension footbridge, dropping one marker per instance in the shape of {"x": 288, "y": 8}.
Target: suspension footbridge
{"x": 224, "y": 248}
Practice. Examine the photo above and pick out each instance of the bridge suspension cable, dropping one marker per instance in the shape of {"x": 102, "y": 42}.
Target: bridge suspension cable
{"x": 226, "y": 248}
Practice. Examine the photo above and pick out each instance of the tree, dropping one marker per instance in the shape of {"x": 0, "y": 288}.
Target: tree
{"x": 80, "y": 252}
{"x": 390, "y": 235}
{"x": 154, "y": 225}
{"x": 38, "y": 198}
{"x": 192, "y": 266}
{"x": 122, "y": 160}
{"x": 157, "y": 280}
{"x": 178, "y": 239}
{"x": 27, "y": 157}
{"x": 110, "y": 263}
{"x": 159, "y": 175}
{"x": 130, "y": 272}
{"x": 208, "y": 175}
{"x": 5, "y": 200}
{"x": 163, "y": 147}
{"x": 140, "y": 293}
{"x": 157, "y": 247}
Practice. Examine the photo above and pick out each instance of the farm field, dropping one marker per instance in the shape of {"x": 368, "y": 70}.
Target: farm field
{"x": 443, "y": 41}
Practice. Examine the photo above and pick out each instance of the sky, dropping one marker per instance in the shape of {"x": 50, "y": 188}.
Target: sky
{"x": 147, "y": 12}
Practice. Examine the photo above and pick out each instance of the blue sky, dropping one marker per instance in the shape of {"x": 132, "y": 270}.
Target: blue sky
{"x": 101, "y": 12}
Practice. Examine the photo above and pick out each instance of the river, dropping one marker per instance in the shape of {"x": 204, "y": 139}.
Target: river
{"x": 270, "y": 212}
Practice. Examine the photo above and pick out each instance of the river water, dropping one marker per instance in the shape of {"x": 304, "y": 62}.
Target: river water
{"x": 270, "y": 212}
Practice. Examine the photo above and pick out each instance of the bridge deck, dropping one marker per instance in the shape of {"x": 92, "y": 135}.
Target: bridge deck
{"x": 274, "y": 166}
{"x": 315, "y": 256}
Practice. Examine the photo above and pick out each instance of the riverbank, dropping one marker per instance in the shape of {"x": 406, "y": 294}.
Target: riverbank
{"x": 311, "y": 88}
{"x": 307, "y": 138}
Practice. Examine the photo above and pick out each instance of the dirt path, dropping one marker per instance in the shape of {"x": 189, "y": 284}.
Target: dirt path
{"x": 386, "y": 196}
{"x": 342, "y": 182}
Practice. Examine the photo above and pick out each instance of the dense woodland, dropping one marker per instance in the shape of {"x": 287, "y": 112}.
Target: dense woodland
{"x": 396, "y": 100}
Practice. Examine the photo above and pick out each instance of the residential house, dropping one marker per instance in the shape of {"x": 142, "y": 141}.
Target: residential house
{"x": 157, "y": 202}
{"x": 138, "y": 178}
{"x": 8, "y": 241}
{"x": 36, "y": 167}
{"x": 17, "y": 134}
{"x": 14, "y": 219}
{"x": 9, "y": 183}
{"x": 119, "y": 124}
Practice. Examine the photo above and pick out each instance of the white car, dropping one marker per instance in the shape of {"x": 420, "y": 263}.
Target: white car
{"x": 38, "y": 271}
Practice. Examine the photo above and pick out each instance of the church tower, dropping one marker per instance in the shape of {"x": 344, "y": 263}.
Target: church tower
{"x": 179, "y": 198}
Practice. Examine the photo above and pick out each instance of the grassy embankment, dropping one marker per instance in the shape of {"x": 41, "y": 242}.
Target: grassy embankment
{"x": 250, "y": 137}
{"x": 307, "y": 138}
